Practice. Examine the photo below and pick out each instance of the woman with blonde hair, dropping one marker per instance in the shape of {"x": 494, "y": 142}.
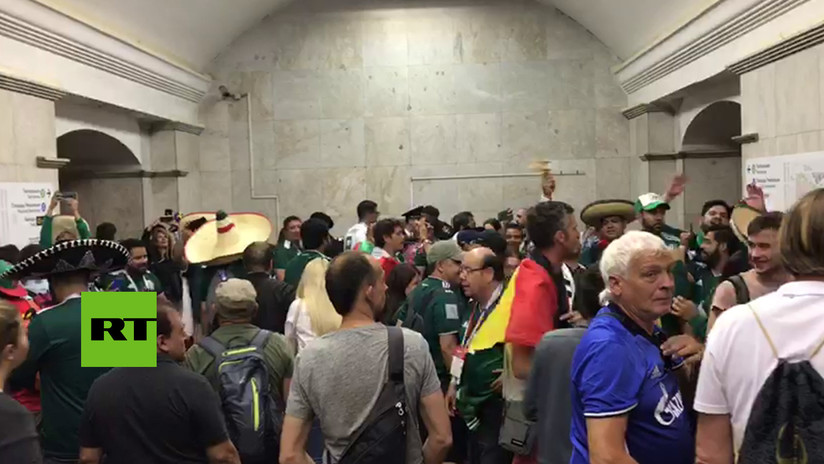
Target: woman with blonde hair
{"x": 20, "y": 441}
{"x": 311, "y": 315}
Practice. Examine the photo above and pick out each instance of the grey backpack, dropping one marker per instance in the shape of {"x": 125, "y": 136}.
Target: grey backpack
{"x": 251, "y": 407}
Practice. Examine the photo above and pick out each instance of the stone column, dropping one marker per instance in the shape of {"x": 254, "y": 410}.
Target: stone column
{"x": 173, "y": 148}
{"x": 27, "y": 132}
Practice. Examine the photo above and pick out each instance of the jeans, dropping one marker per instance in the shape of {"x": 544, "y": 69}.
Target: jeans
{"x": 315, "y": 445}
{"x": 483, "y": 441}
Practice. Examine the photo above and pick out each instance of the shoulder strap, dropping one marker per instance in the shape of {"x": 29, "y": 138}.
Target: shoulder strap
{"x": 742, "y": 292}
{"x": 769, "y": 340}
{"x": 212, "y": 346}
{"x": 260, "y": 339}
{"x": 395, "y": 360}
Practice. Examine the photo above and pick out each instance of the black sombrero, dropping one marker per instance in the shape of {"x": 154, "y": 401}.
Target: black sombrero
{"x": 73, "y": 255}
{"x": 594, "y": 213}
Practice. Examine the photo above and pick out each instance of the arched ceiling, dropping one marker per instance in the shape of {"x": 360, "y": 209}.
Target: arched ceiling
{"x": 193, "y": 32}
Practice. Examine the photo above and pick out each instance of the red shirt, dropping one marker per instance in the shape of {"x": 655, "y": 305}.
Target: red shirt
{"x": 20, "y": 298}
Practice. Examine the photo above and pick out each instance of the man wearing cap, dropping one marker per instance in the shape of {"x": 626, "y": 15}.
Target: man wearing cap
{"x": 652, "y": 210}
{"x": 315, "y": 236}
{"x": 236, "y": 303}
{"x": 367, "y": 215}
{"x": 55, "y": 338}
{"x": 609, "y": 218}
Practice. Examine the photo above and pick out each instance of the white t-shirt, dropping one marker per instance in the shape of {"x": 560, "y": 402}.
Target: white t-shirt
{"x": 298, "y": 327}
{"x": 355, "y": 235}
{"x": 738, "y": 358}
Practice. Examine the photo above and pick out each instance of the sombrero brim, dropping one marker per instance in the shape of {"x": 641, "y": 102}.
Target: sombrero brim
{"x": 740, "y": 219}
{"x": 185, "y": 220}
{"x": 91, "y": 255}
{"x": 206, "y": 245}
{"x": 594, "y": 213}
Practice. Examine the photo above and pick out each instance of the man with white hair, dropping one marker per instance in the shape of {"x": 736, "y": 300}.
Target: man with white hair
{"x": 626, "y": 403}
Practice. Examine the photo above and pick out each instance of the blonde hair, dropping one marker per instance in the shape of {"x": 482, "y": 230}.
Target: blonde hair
{"x": 800, "y": 236}
{"x": 312, "y": 291}
{"x": 10, "y": 324}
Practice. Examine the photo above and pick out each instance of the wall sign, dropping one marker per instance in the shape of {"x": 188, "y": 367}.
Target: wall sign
{"x": 22, "y": 208}
{"x": 786, "y": 178}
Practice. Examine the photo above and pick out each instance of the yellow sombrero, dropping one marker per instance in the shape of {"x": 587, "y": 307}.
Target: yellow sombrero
{"x": 740, "y": 219}
{"x": 595, "y": 212}
{"x": 224, "y": 238}
{"x": 187, "y": 219}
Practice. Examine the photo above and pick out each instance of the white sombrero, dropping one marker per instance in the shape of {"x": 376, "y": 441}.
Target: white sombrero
{"x": 191, "y": 217}
{"x": 225, "y": 238}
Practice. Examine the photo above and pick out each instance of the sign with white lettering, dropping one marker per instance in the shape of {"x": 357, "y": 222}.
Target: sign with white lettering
{"x": 785, "y": 179}
{"x": 22, "y": 208}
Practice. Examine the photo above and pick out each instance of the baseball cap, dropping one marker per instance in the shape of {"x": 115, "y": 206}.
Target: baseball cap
{"x": 649, "y": 202}
{"x": 430, "y": 210}
{"x": 492, "y": 240}
{"x": 413, "y": 213}
{"x": 235, "y": 298}
{"x": 443, "y": 250}
{"x": 468, "y": 237}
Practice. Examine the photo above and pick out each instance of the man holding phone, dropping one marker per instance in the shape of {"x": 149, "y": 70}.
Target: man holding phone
{"x": 63, "y": 227}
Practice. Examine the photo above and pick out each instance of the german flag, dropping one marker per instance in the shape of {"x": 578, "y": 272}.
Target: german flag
{"x": 526, "y": 312}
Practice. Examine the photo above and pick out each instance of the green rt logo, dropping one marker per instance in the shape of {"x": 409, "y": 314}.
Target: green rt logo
{"x": 119, "y": 329}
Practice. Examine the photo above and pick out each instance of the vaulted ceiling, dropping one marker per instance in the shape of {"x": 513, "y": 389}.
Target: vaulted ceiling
{"x": 195, "y": 31}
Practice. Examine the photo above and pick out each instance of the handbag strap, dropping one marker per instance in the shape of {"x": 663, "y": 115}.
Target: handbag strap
{"x": 770, "y": 341}
{"x": 395, "y": 362}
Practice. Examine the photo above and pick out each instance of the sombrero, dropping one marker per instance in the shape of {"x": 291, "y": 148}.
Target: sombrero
{"x": 191, "y": 217}
{"x": 89, "y": 254}
{"x": 226, "y": 237}
{"x": 595, "y": 212}
{"x": 740, "y": 219}
{"x": 10, "y": 287}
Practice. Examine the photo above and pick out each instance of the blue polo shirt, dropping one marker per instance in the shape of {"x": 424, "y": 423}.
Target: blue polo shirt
{"x": 619, "y": 370}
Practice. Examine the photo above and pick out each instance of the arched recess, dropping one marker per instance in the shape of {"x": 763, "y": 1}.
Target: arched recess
{"x": 97, "y": 159}
{"x": 712, "y": 160}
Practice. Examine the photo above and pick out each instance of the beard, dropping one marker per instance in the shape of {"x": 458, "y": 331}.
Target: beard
{"x": 712, "y": 259}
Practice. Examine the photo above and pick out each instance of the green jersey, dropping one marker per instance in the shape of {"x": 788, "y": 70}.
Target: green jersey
{"x": 285, "y": 252}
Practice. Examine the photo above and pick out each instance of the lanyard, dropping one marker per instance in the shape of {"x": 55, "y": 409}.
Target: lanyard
{"x": 472, "y": 329}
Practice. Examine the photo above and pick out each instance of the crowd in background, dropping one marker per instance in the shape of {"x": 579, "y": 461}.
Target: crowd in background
{"x": 544, "y": 335}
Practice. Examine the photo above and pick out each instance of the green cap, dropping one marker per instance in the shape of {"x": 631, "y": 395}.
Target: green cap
{"x": 650, "y": 202}
{"x": 443, "y": 250}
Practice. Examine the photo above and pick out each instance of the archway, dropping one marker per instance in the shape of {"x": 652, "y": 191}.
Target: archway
{"x": 100, "y": 174}
{"x": 712, "y": 160}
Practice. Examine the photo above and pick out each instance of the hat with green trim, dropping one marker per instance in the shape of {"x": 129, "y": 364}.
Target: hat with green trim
{"x": 650, "y": 202}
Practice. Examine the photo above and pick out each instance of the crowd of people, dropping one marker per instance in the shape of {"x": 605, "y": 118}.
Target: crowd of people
{"x": 545, "y": 335}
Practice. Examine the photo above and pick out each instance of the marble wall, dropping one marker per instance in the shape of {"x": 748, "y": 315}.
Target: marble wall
{"x": 26, "y": 132}
{"x": 784, "y": 103}
{"x": 356, "y": 103}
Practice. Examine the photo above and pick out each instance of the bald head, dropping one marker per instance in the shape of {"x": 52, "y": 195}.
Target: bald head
{"x": 481, "y": 273}
{"x": 475, "y": 257}
{"x": 355, "y": 279}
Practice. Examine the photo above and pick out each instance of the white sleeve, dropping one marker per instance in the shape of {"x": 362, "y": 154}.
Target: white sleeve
{"x": 711, "y": 398}
{"x": 290, "y": 327}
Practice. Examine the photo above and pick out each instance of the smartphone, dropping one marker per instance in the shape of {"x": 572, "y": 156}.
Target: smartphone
{"x": 67, "y": 195}
{"x": 168, "y": 216}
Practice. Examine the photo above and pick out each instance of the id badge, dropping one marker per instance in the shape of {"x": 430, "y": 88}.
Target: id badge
{"x": 458, "y": 358}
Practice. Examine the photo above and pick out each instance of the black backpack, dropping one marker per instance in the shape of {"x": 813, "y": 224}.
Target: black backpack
{"x": 381, "y": 439}
{"x": 252, "y": 408}
{"x": 787, "y": 419}
{"x": 742, "y": 292}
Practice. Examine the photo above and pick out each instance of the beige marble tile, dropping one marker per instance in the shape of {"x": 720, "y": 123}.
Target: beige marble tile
{"x": 524, "y": 36}
{"x": 797, "y": 93}
{"x": 263, "y": 144}
{"x": 433, "y": 139}
{"x": 479, "y": 35}
{"x": 343, "y": 189}
{"x": 577, "y": 190}
{"x": 608, "y": 92}
{"x": 577, "y": 79}
{"x": 386, "y": 91}
{"x": 188, "y": 192}
{"x": 661, "y": 132}
{"x": 342, "y": 143}
{"x": 389, "y": 187}
{"x": 566, "y": 39}
{"x": 216, "y": 117}
{"x": 33, "y": 126}
{"x": 611, "y": 133}
{"x": 525, "y": 137}
{"x": 343, "y": 39}
{"x": 317, "y": 42}
{"x": 7, "y": 142}
{"x": 266, "y": 182}
{"x": 432, "y": 90}
{"x": 612, "y": 177}
{"x": 297, "y": 94}
{"x": 164, "y": 193}
{"x": 571, "y": 133}
{"x": 809, "y": 142}
{"x": 215, "y": 191}
{"x": 482, "y": 194}
{"x": 214, "y": 154}
{"x": 431, "y": 37}
{"x": 787, "y": 144}
{"x": 758, "y": 101}
{"x": 479, "y": 138}
{"x": 387, "y": 141}
{"x": 342, "y": 94}
{"x": 525, "y": 86}
{"x": 239, "y": 152}
{"x": 297, "y": 144}
{"x": 164, "y": 156}
{"x": 189, "y": 149}
{"x": 300, "y": 191}
{"x": 385, "y": 42}
{"x": 477, "y": 88}
{"x": 260, "y": 91}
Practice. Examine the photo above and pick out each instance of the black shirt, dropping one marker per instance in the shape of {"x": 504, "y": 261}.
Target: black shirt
{"x": 18, "y": 437}
{"x": 159, "y": 415}
{"x": 273, "y": 298}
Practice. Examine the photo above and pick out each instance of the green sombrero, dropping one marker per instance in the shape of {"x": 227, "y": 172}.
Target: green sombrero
{"x": 595, "y": 212}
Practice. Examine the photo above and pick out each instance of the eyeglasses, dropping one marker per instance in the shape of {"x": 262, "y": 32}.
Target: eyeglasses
{"x": 469, "y": 270}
